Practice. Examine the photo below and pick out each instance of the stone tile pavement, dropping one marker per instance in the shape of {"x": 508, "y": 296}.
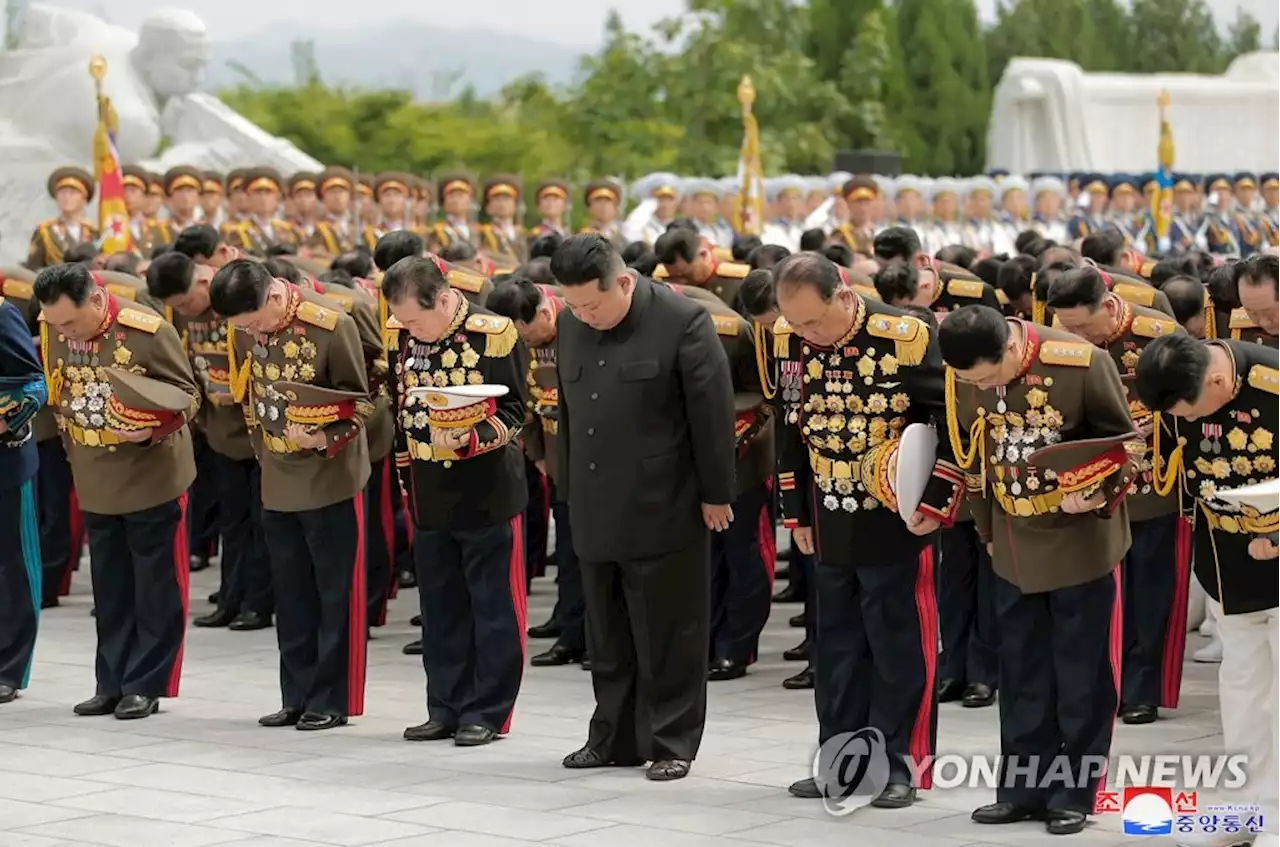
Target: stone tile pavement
{"x": 202, "y": 773}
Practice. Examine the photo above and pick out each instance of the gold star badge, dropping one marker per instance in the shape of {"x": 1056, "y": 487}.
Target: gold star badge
{"x": 122, "y": 356}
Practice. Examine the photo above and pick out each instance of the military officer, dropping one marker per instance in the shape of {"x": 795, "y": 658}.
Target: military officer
{"x": 943, "y": 229}
{"x": 237, "y": 200}
{"x": 1155, "y": 572}
{"x": 458, "y": 392}
{"x": 262, "y": 229}
{"x": 1256, "y": 287}
{"x": 457, "y": 193}
{"x": 145, "y": 233}
{"x": 182, "y": 195}
{"x": 335, "y": 231}
{"x": 1121, "y": 213}
{"x": 603, "y": 198}
{"x": 1247, "y": 222}
{"x": 502, "y": 234}
{"x": 657, "y": 209}
{"x": 688, "y": 259}
{"x": 72, "y": 189}
{"x": 1269, "y": 218}
{"x": 1055, "y": 538}
{"x": 303, "y": 193}
{"x": 397, "y": 245}
{"x": 1086, "y": 218}
{"x": 1219, "y": 227}
{"x": 392, "y": 205}
{"x": 1047, "y": 193}
{"x": 22, "y": 392}
{"x": 552, "y": 199}
{"x": 212, "y": 197}
{"x": 939, "y": 286}
{"x": 703, "y": 196}
{"x": 315, "y": 463}
{"x": 787, "y": 196}
{"x": 153, "y": 202}
{"x": 132, "y": 466}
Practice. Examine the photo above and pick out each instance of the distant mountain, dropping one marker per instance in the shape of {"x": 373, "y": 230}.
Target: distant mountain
{"x": 434, "y": 63}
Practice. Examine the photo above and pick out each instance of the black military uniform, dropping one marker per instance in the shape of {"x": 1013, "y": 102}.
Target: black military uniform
{"x": 958, "y": 287}
{"x": 1242, "y": 328}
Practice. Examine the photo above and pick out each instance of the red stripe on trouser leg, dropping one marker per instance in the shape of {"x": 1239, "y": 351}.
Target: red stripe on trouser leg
{"x": 182, "y": 575}
{"x": 1115, "y": 654}
{"x": 1175, "y": 631}
{"x": 519, "y": 598}
{"x": 387, "y": 516}
{"x": 357, "y": 624}
{"x": 75, "y": 525}
{"x": 768, "y": 539}
{"x": 921, "y": 745}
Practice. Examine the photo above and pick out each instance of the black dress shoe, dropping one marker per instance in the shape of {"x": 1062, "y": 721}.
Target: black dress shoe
{"x": 1064, "y": 821}
{"x": 1139, "y": 714}
{"x": 550, "y": 629}
{"x": 430, "y": 731}
{"x": 557, "y": 655}
{"x": 896, "y": 795}
{"x": 950, "y": 690}
{"x": 586, "y": 663}
{"x": 48, "y": 602}
{"x": 665, "y": 770}
{"x": 806, "y": 789}
{"x": 473, "y": 735}
{"x": 790, "y": 594}
{"x": 722, "y": 669}
{"x": 96, "y": 706}
{"x": 315, "y": 721}
{"x": 797, "y": 620}
{"x": 213, "y": 599}
{"x": 249, "y": 621}
{"x": 407, "y": 579}
{"x": 416, "y": 620}
{"x": 589, "y": 757}
{"x": 1000, "y": 813}
{"x": 216, "y": 619}
{"x": 413, "y": 648}
{"x": 284, "y": 717}
{"x": 798, "y": 653}
{"x": 800, "y": 682}
{"x": 977, "y": 695}
{"x": 199, "y": 563}
{"x": 135, "y": 706}
{"x": 8, "y": 694}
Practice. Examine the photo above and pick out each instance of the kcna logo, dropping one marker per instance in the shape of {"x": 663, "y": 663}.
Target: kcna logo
{"x": 850, "y": 770}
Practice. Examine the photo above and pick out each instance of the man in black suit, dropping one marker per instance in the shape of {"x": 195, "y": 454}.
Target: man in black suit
{"x": 647, "y": 461}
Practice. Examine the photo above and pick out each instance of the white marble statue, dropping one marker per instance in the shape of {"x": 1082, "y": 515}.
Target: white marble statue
{"x": 48, "y": 109}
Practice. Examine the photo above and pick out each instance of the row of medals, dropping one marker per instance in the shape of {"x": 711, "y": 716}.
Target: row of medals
{"x": 89, "y": 393}
{"x": 1015, "y": 442}
{"x": 448, "y": 374}
{"x": 270, "y": 401}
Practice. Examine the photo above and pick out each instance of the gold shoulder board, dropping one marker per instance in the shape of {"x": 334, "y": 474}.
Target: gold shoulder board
{"x": 971, "y": 288}
{"x": 465, "y": 281}
{"x": 725, "y": 324}
{"x": 1075, "y": 354}
{"x": 1144, "y": 270}
{"x": 1265, "y": 379}
{"x": 392, "y": 323}
{"x": 910, "y": 336}
{"x": 660, "y": 272}
{"x": 18, "y": 289}
{"x": 127, "y": 292}
{"x": 1152, "y": 327}
{"x": 867, "y": 292}
{"x": 1143, "y": 295}
{"x": 346, "y": 301}
{"x": 140, "y": 320}
{"x": 501, "y": 331}
{"x": 724, "y": 254}
{"x": 1240, "y": 320}
{"x": 781, "y": 337}
{"x": 1002, "y": 298}
{"x": 309, "y": 312}
{"x": 732, "y": 270}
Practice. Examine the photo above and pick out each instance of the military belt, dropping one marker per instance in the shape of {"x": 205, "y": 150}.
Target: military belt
{"x": 425, "y": 452}
{"x": 1237, "y": 524}
{"x": 1025, "y": 507}
{"x": 834, "y": 468}
{"x": 89, "y": 437}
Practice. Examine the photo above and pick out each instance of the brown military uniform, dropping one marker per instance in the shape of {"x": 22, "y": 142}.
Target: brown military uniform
{"x": 958, "y": 287}
{"x": 257, "y": 237}
{"x": 333, "y": 237}
{"x": 725, "y": 281}
{"x": 1137, "y": 291}
{"x": 363, "y": 309}
{"x": 543, "y": 423}
{"x": 53, "y": 238}
{"x": 858, "y": 240}
{"x": 221, "y": 421}
{"x": 499, "y": 240}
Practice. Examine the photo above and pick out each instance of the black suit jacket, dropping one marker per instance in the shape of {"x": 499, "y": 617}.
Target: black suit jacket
{"x": 646, "y": 426}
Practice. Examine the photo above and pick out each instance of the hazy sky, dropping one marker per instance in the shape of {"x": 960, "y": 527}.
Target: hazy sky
{"x": 567, "y": 21}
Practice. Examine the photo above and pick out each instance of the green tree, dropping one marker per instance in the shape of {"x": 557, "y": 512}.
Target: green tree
{"x": 1170, "y": 36}
{"x": 1092, "y": 33}
{"x": 1243, "y": 36}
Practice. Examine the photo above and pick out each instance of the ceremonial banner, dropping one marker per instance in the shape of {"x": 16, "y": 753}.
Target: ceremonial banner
{"x": 1162, "y": 211}
{"x": 750, "y": 210}
{"x": 113, "y": 214}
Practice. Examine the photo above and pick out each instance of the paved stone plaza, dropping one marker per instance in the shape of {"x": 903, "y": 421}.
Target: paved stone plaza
{"x": 203, "y": 773}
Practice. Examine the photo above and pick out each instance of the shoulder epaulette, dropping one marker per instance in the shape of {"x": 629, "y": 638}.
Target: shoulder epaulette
{"x": 1240, "y": 320}
{"x": 315, "y": 315}
{"x": 868, "y": 292}
{"x": 392, "y": 323}
{"x": 501, "y": 332}
{"x": 140, "y": 320}
{"x": 910, "y": 335}
{"x": 724, "y": 254}
{"x": 119, "y": 289}
{"x": 972, "y": 288}
{"x": 732, "y": 270}
{"x": 1152, "y": 327}
{"x": 18, "y": 289}
{"x": 1002, "y": 298}
{"x": 1144, "y": 270}
{"x": 781, "y": 337}
{"x": 1142, "y": 295}
{"x": 346, "y": 301}
{"x": 465, "y": 281}
{"x": 726, "y": 324}
{"x": 660, "y": 272}
{"x": 1076, "y": 354}
{"x": 1265, "y": 379}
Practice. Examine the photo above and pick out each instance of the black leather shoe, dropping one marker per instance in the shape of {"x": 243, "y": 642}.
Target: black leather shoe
{"x": 550, "y": 629}
{"x": 1139, "y": 714}
{"x": 416, "y": 620}
{"x": 797, "y": 620}
{"x": 249, "y": 621}
{"x": 896, "y": 795}
{"x": 213, "y": 598}
{"x": 1064, "y": 822}
{"x": 589, "y": 757}
{"x": 96, "y": 706}
{"x": 429, "y": 731}
{"x": 665, "y": 770}
{"x": 216, "y": 619}
{"x": 950, "y": 690}
{"x": 407, "y": 579}
{"x": 315, "y": 721}
{"x": 977, "y": 695}
{"x": 473, "y": 735}
{"x": 557, "y": 655}
{"x": 284, "y": 717}
{"x": 999, "y": 813}
{"x": 48, "y": 602}
{"x": 135, "y": 706}
{"x": 800, "y": 682}
{"x": 806, "y": 789}
{"x": 798, "y": 653}
{"x": 722, "y": 669}
{"x": 790, "y": 594}
{"x": 413, "y": 648}
{"x": 199, "y": 563}
{"x": 8, "y": 694}
{"x": 586, "y": 663}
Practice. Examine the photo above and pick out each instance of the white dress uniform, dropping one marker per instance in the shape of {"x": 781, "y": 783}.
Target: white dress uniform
{"x": 643, "y": 224}
{"x": 1054, "y": 229}
{"x": 941, "y": 233}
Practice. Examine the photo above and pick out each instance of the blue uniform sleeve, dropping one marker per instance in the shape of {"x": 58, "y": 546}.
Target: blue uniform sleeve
{"x": 25, "y": 391}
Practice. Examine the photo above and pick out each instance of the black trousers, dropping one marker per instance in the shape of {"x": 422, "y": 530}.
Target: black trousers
{"x": 803, "y": 566}
{"x": 61, "y": 524}
{"x": 965, "y": 611}
{"x": 648, "y": 624}
{"x": 20, "y": 578}
{"x": 1059, "y": 675}
{"x": 404, "y": 532}
{"x": 1154, "y": 577}
{"x": 471, "y": 587}
{"x": 742, "y": 563}
{"x": 202, "y": 500}
{"x": 536, "y": 522}
{"x": 246, "y": 563}
{"x": 876, "y": 657}
{"x": 317, "y": 569}
{"x": 380, "y": 539}
{"x": 571, "y": 607}
{"x": 141, "y": 582}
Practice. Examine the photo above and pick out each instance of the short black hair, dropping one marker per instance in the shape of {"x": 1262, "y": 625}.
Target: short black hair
{"x": 284, "y": 269}
{"x": 808, "y": 268}
{"x": 124, "y": 262}
{"x": 897, "y": 242}
{"x": 337, "y": 276}
{"x": 1015, "y": 277}
{"x": 1258, "y": 269}
{"x": 397, "y": 245}
{"x": 282, "y": 250}
{"x": 758, "y": 296}
{"x": 767, "y": 256}
{"x": 83, "y": 253}
{"x": 545, "y": 245}
{"x": 1025, "y": 239}
{"x": 358, "y": 263}
{"x": 812, "y": 239}
{"x": 516, "y": 297}
{"x": 896, "y": 283}
{"x": 1078, "y": 287}
{"x": 198, "y": 242}
{"x": 1171, "y": 370}
{"x": 1105, "y": 246}
{"x": 687, "y": 224}
{"x": 1222, "y": 286}
{"x": 1186, "y": 295}
{"x": 1171, "y": 266}
{"x": 634, "y": 251}
{"x": 458, "y": 251}
{"x": 1059, "y": 254}
{"x": 539, "y": 270}
{"x": 973, "y": 334}
{"x": 239, "y": 286}
{"x": 72, "y": 280}
{"x": 1037, "y": 246}
{"x": 743, "y": 245}
{"x": 170, "y": 275}
{"x": 840, "y": 254}
{"x": 677, "y": 245}
{"x": 988, "y": 269}
{"x": 416, "y": 277}
{"x": 158, "y": 250}
{"x": 645, "y": 264}
{"x": 957, "y": 254}
{"x": 584, "y": 258}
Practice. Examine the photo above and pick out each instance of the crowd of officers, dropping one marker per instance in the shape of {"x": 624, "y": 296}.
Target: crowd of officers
{"x": 280, "y": 366}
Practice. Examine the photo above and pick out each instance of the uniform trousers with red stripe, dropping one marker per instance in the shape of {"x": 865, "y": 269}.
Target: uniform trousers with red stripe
{"x": 471, "y": 587}
{"x": 1059, "y": 675}
{"x": 876, "y": 657}
{"x": 742, "y": 563}
{"x": 318, "y": 573}
{"x": 141, "y": 584}
{"x": 1154, "y": 577}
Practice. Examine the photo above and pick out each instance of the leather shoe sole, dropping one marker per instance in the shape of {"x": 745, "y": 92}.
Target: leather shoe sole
{"x": 249, "y": 623}
{"x": 95, "y": 707}
{"x": 556, "y": 656}
{"x": 474, "y": 735}
{"x": 429, "y": 731}
{"x": 8, "y": 694}
{"x": 588, "y": 758}
{"x": 997, "y": 814}
{"x": 977, "y": 695}
{"x": 315, "y": 722}
{"x": 1064, "y": 822}
{"x": 666, "y": 770}
{"x": 132, "y": 708}
{"x": 284, "y": 717}
{"x": 805, "y": 789}
{"x": 727, "y": 672}
{"x": 895, "y": 797}
{"x": 802, "y": 681}
{"x": 1138, "y": 715}
{"x": 413, "y": 648}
